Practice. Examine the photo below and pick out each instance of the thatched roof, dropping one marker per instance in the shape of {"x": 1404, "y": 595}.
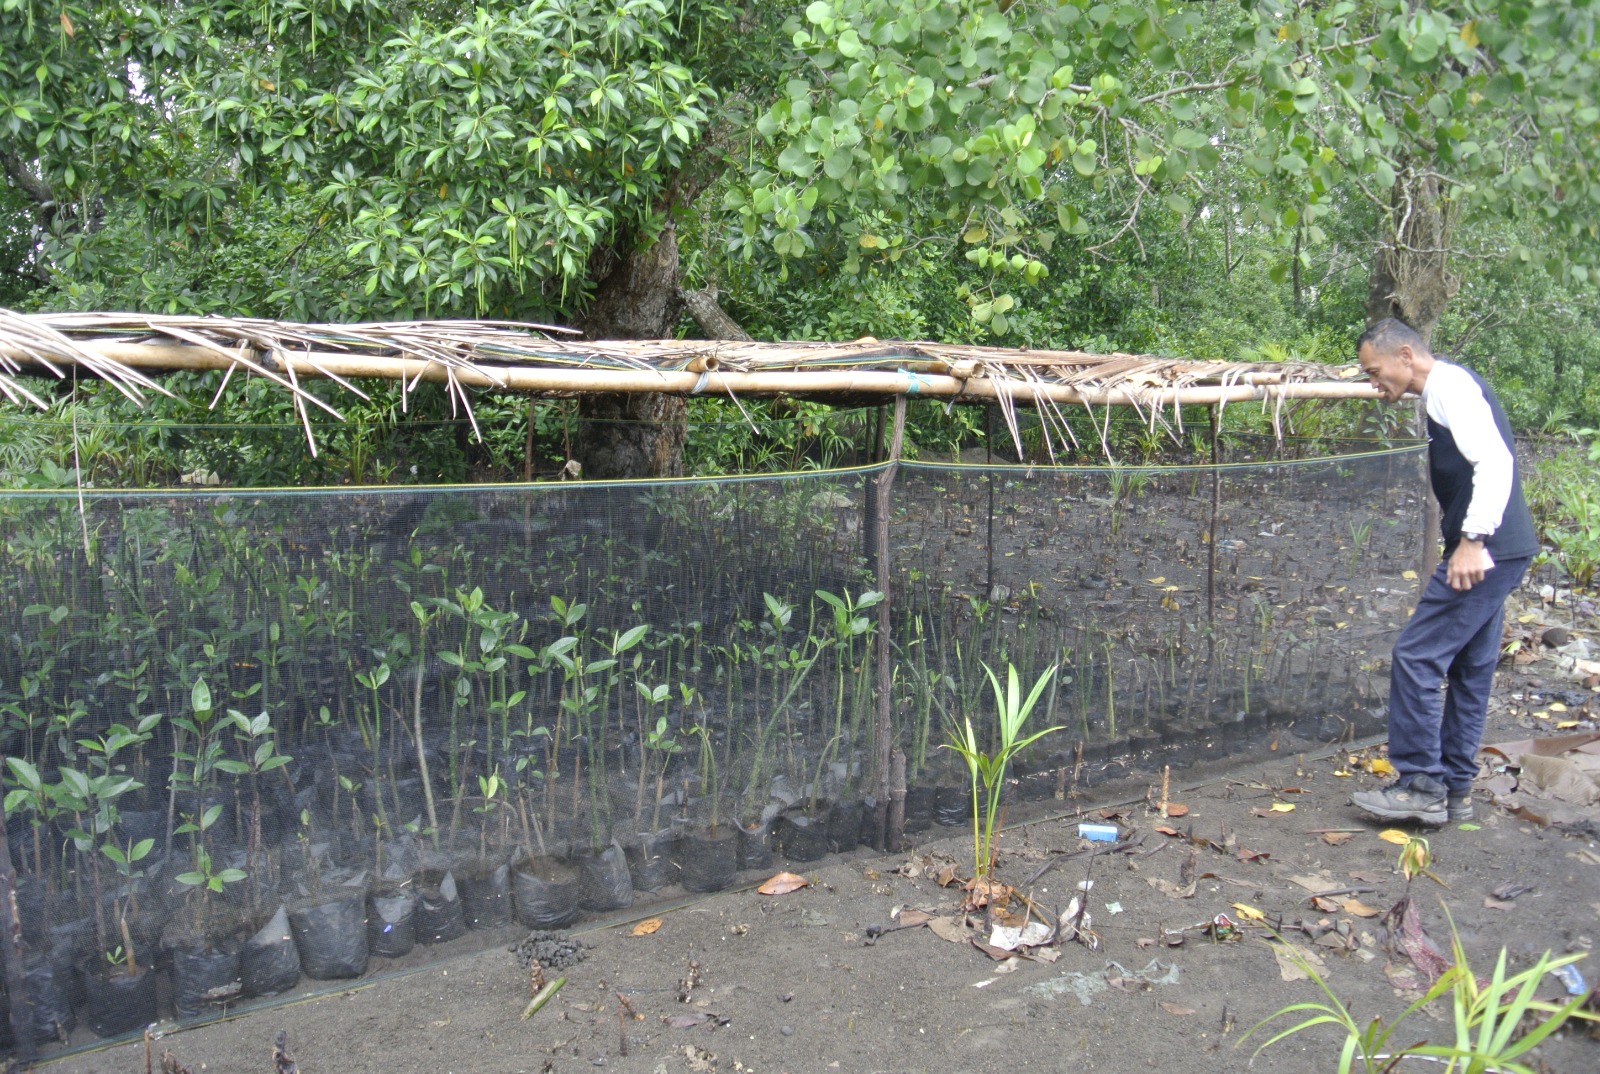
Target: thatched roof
{"x": 125, "y": 348}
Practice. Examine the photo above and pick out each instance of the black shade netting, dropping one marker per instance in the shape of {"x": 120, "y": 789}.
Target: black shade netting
{"x": 595, "y": 679}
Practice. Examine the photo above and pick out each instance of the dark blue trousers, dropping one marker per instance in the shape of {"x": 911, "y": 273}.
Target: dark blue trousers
{"x": 1452, "y": 638}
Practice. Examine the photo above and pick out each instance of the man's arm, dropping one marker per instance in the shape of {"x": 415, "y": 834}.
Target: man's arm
{"x": 1458, "y": 403}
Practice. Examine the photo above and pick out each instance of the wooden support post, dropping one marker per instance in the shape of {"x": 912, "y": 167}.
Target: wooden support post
{"x": 883, "y": 732}
{"x": 897, "y": 802}
{"x": 11, "y": 952}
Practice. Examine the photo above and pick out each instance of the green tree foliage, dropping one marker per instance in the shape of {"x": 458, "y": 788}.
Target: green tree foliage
{"x": 467, "y": 162}
{"x": 1028, "y": 122}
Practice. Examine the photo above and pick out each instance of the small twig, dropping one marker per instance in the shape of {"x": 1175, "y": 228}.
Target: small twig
{"x": 1093, "y": 853}
{"x": 1359, "y": 889}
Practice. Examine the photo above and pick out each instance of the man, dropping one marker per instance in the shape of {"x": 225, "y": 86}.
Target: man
{"x": 1454, "y": 634}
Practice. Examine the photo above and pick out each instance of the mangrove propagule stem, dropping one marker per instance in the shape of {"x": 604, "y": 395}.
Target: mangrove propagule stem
{"x": 541, "y": 997}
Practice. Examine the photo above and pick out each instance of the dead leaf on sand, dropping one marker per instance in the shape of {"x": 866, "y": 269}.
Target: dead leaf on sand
{"x": 1168, "y": 888}
{"x": 1336, "y": 839}
{"x": 1492, "y": 903}
{"x": 1511, "y": 890}
{"x": 1290, "y": 968}
{"x": 1408, "y": 936}
{"x": 783, "y": 883}
{"x": 1395, "y": 836}
{"x": 1327, "y": 906}
{"x": 690, "y": 1020}
{"x": 953, "y": 929}
{"x": 647, "y": 927}
{"x": 1173, "y": 1008}
{"x": 910, "y": 917}
{"x": 1311, "y": 883}
{"x": 999, "y": 954}
{"x": 1359, "y": 908}
{"x": 1177, "y": 809}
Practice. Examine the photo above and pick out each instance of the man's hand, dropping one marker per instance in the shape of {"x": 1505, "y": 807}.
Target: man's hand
{"x": 1468, "y": 564}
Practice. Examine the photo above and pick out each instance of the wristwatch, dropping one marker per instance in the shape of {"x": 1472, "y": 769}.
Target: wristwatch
{"x": 1479, "y": 537}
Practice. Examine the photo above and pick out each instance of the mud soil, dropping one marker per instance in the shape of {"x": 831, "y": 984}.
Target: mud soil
{"x": 797, "y": 983}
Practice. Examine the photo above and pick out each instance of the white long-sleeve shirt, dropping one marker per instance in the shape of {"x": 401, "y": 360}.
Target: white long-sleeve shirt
{"x": 1454, "y": 400}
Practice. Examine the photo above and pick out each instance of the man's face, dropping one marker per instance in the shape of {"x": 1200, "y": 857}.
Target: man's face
{"x": 1389, "y": 373}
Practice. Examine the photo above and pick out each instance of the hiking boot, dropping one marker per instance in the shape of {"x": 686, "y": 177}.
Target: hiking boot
{"x": 1418, "y": 799}
{"x": 1458, "y": 808}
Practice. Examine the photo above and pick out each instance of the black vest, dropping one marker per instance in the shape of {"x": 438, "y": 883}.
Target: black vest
{"x": 1451, "y": 476}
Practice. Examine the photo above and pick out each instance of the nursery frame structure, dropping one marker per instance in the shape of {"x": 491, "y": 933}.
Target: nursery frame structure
{"x": 368, "y": 717}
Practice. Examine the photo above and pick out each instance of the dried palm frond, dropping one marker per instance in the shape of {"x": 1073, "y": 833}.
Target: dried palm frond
{"x": 466, "y": 355}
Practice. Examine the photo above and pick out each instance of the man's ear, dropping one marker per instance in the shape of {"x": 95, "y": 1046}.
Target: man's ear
{"x": 1405, "y": 354}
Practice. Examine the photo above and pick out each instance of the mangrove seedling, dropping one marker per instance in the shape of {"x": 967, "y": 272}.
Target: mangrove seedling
{"x": 988, "y": 770}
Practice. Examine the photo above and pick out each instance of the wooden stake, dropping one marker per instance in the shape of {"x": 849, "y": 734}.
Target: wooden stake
{"x": 11, "y": 952}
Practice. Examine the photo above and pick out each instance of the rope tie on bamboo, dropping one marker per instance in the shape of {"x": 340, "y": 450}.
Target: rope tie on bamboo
{"x": 700, "y": 385}
{"x": 950, "y": 404}
{"x": 917, "y": 381}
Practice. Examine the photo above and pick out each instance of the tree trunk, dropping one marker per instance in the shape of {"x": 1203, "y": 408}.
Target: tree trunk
{"x": 634, "y": 435}
{"x": 711, "y": 317}
{"x": 1411, "y": 277}
{"x": 1411, "y": 280}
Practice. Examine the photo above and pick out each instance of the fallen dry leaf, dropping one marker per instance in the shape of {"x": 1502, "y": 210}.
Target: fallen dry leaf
{"x": 1395, "y": 836}
{"x": 783, "y": 883}
{"x": 1492, "y": 903}
{"x": 911, "y": 917}
{"x": 1327, "y": 906}
{"x": 1163, "y": 829}
{"x": 1359, "y": 908}
{"x": 1248, "y": 912}
{"x": 1336, "y": 839}
{"x": 688, "y": 1021}
{"x": 1379, "y": 766}
{"x": 1290, "y": 969}
{"x": 1173, "y": 1008}
{"x": 1283, "y": 807}
{"x": 1310, "y": 883}
{"x": 947, "y": 876}
{"x": 1167, "y": 887}
{"x": 1177, "y": 809}
{"x": 1366, "y": 876}
{"x": 1406, "y": 932}
{"x": 1253, "y": 855}
{"x": 999, "y": 954}
{"x": 647, "y": 927}
{"x": 950, "y": 928}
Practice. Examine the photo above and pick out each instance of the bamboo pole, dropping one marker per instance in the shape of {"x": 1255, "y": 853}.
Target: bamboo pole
{"x": 883, "y": 729}
{"x": 714, "y": 381}
{"x": 11, "y": 953}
